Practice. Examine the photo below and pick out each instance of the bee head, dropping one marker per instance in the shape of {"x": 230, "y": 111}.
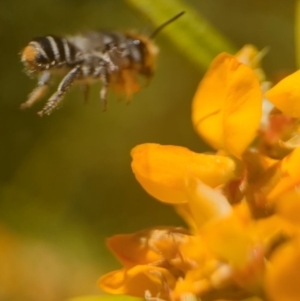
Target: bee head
{"x": 150, "y": 52}
{"x": 148, "y": 49}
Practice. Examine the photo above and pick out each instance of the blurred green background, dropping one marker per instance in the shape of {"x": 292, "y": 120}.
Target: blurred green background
{"x": 65, "y": 180}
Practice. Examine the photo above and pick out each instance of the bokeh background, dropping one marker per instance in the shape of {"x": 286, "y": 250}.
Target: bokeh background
{"x": 65, "y": 180}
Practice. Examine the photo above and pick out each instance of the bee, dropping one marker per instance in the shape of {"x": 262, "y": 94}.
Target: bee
{"x": 115, "y": 59}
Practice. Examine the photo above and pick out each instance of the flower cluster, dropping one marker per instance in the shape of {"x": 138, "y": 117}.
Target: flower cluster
{"x": 241, "y": 203}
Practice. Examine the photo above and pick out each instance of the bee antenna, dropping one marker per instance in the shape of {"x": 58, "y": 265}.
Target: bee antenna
{"x": 162, "y": 26}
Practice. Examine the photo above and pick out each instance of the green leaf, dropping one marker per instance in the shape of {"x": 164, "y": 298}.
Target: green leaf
{"x": 191, "y": 33}
{"x": 106, "y": 298}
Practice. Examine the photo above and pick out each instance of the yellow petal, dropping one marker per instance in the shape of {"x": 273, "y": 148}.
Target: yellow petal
{"x": 195, "y": 253}
{"x": 161, "y": 170}
{"x": 282, "y": 282}
{"x": 289, "y": 175}
{"x": 250, "y": 56}
{"x": 184, "y": 211}
{"x": 288, "y": 206}
{"x": 106, "y": 298}
{"x": 132, "y": 249}
{"x": 286, "y": 95}
{"x": 137, "y": 280}
{"x": 147, "y": 246}
{"x": 227, "y": 106}
{"x": 206, "y": 204}
{"x": 185, "y": 287}
{"x": 229, "y": 240}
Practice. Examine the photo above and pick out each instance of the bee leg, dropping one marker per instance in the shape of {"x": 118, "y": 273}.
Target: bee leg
{"x": 38, "y": 92}
{"x": 109, "y": 60}
{"x": 103, "y": 91}
{"x": 63, "y": 87}
{"x": 101, "y": 72}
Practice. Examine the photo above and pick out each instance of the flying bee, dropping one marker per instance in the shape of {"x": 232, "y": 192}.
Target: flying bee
{"x": 113, "y": 58}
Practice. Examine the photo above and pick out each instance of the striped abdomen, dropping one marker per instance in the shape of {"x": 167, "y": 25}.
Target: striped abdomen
{"x": 49, "y": 51}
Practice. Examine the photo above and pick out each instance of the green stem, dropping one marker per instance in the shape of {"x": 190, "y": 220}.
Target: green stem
{"x": 193, "y": 35}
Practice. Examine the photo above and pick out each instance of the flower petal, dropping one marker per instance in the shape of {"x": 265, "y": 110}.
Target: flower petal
{"x": 190, "y": 286}
{"x": 227, "y": 106}
{"x": 137, "y": 280}
{"x": 250, "y": 56}
{"x": 161, "y": 170}
{"x": 147, "y": 246}
{"x": 289, "y": 175}
{"x": 184, "y": 211}
{"x": 283, "y": 274}
{"x": 106, "y": 298}
{"x": 288, "y": 206}
{"x": 206, "y": 204}
{"x": 132, "y": 249}
{"x": 286, "y": 94}
{"x": 229, "y": 240}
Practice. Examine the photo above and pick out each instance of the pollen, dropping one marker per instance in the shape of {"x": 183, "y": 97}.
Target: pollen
{"x": 29, "y": 54}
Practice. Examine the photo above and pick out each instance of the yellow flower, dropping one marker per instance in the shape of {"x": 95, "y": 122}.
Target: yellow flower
{"x": 227, "y": 106}
{"x": 241, "y": 204}
{"x": 151, "y": 259}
